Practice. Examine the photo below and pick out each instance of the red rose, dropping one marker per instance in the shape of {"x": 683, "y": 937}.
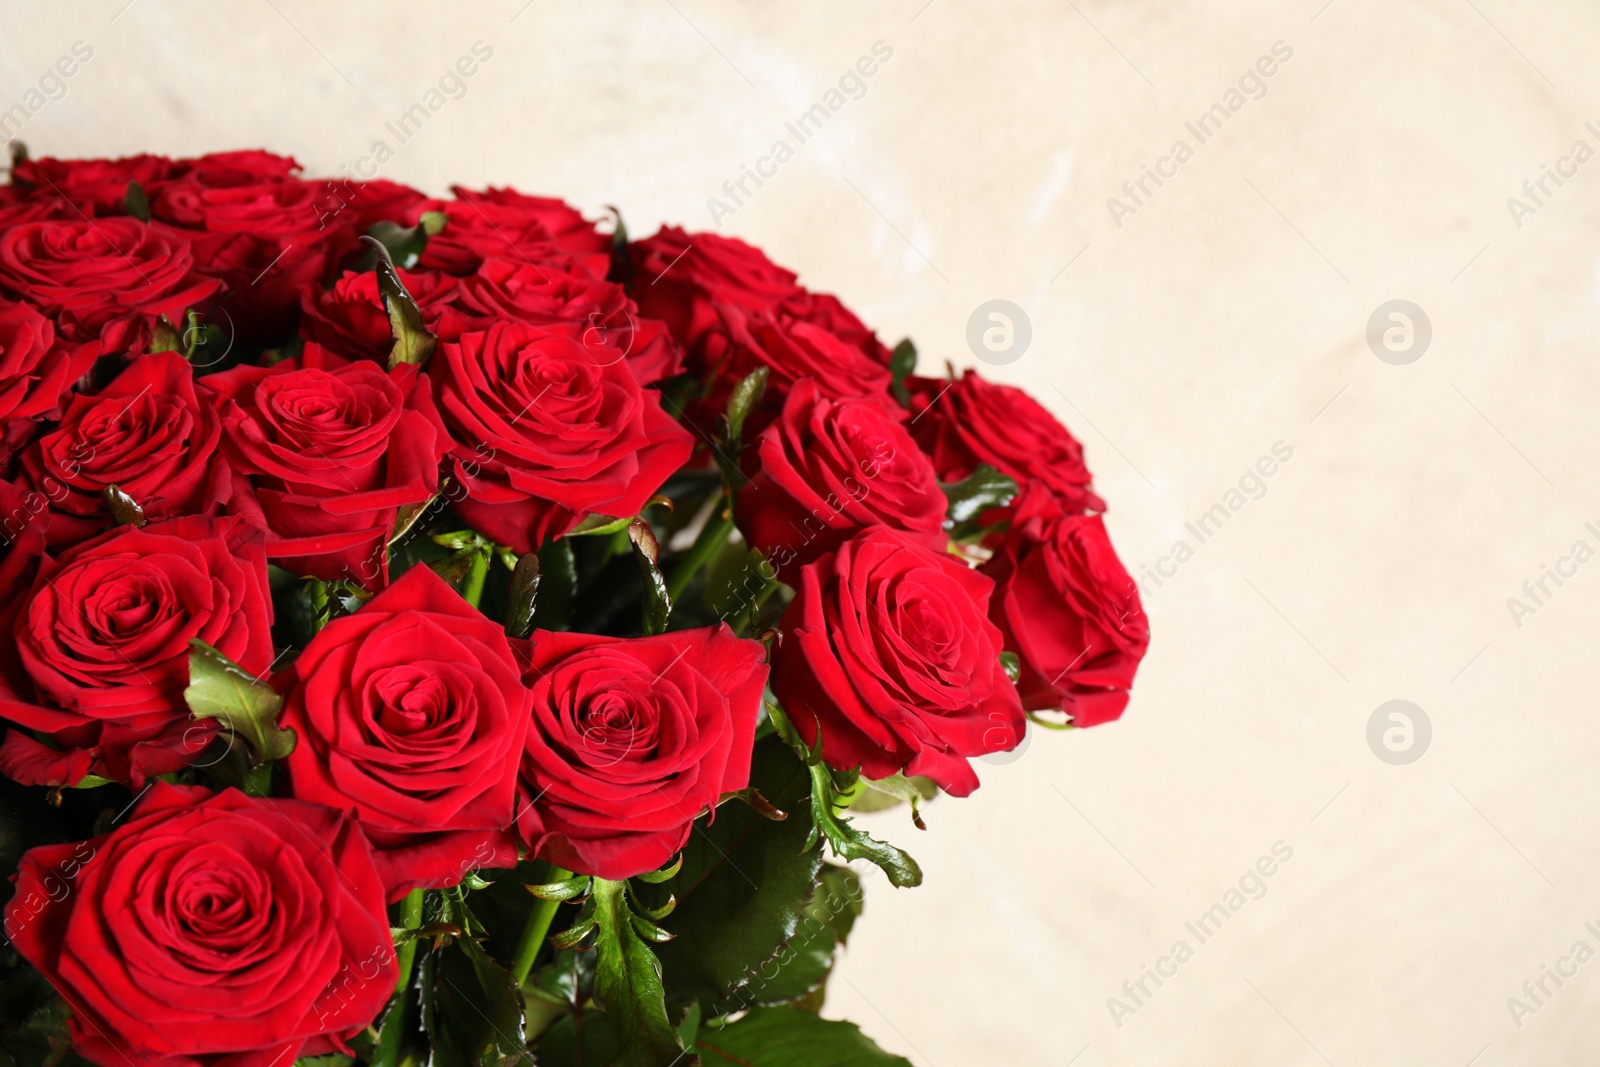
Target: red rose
{"x": 323, "y": 453}
{"x": 249, "y": 166}
{"x": 506, "y": 223}
{"x": 411, "y": 713}
{"x": 632, "y": 739}
{"x": 792, "y": 349}
{"x": 101, "y": 653}
{"x": 1069, "y": 611}
{"x": 98, "y": 186}
{"x": 374, "y": 201}
{"x": 349, "y": 318}
{"x": 566, "y": 293}
{"x": 266, "y": 240}
{"x": 219, "y": 930}
{"x": 888, "y": 652}
{"x": 691, "y": 280}
{"x": 826, "y": 469}
{"x": 548, "y": 429}
{"x": 969, "y": 421}
{"x": 36, "y": 372}
{"x": 147, "y": 433}
{"x": 105, "y": 279}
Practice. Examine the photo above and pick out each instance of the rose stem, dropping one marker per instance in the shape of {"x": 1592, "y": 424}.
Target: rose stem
{"x": 538, "y": 925}
{"x": 712, "y": 537}
{"x": 411, "y": 919}
{"x": 475, "y": 576}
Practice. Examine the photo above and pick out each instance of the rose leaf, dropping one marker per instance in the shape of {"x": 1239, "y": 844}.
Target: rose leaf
{"x": 790, "y": 1037}
{"x": 221, "y": 689}
{"x": 627, "y": 983}
{"x": 979, "y": 491}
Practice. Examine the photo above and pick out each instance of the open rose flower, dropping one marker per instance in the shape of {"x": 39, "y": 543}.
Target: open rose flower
{"x": 632, "y": 739}
{"x": 348, "y": 318}
{"x": 323, "y": 453}
{"x": 98, "y": 186}
{"x": 146, "y": 433}
{"x": 267, "y": 240}
{"x": 36, "y": 372}
{"x": 1069, "y": 610}
{"x": 102, "y": 279}
{"x": 411, "y": 713}
{"x": 828, "y": 468}
{"x": 888, "y": 652}
{"x": 209, "y": 929}
{"x": 99, "y": 653}
{"x": 971, "y": 421}
{"x": 566, "y": 293}
{"x": 690, "y": 280}
{"x": 548, "y": 429}
{"x": 513, "y": 225}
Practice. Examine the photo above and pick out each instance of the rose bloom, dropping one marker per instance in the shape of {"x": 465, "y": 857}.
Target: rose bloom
{"x": 688, "y": 279}
{"x": 98, "y": 186}
{"x": 323, "y": 453}
{"x": 887, "y": 650}
{"x": 146, "y": 433}
{"x": 36, "y": 373}
{"x": 266, "y": 240}
{"x": 512, "y": 225}
{"x": 349, "y": 319}
{"x": 99, "y": 656}
{"x": 1069, "y": 610}
{"x": 548, "y": 429}
{"x": 632, "y": 739}
{"x": 209, "y": 930}
{"x": 564, "y": 292}
{"x": 106, "y": 279}
{"x": 411, "y": 713}
{"x": 969, "y": 421}
{"x": 826, "y": 469}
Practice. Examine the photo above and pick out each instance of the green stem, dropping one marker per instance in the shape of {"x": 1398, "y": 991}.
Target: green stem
{"x": 476, "y": 575}
{"x": 411, "y": 919}
{"x": 537, "y": 926}
{"x": 712, "y": 537}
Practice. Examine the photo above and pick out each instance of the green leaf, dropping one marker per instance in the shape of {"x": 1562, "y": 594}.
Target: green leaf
{"x": 744, "y": 884}
{"x": 850, "y": 843}
{"x": 221, "y": 689}
{"x": 524, "y": 595}
{"x": 136, "y": 203}
{"x": 475, "y": 1011}
{"x": 746, "y": 395}
{"x": 902, "y": 361}
{"x": 846, "y": 841}
{"x": 647, "y": 553}
{"x": 570, "y": 889}
{"x": 883, "y": 793}
{"x": 979, "y": 491}
{"x": 1012, "y": 664}
{"x": 164, "y": 336}
{"x": 627, "y": 983}
{"x": 413, "y": 342}
{"x": 125, "y": 511}
{"x": 598, "y": 524}
{"x": 802, "y": 966}
{"x": 405, "y": 244}
{"x": 557, "y": 586}
{"x": 790, "y": 1037}
{"x": 406, "y": 519}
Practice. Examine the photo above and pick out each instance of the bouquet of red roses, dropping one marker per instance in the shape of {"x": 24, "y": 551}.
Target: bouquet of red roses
{"x": 446, "y": 631}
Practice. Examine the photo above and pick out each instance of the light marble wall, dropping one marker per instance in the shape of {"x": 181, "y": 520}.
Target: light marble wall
{"x": 1225, "y": 314}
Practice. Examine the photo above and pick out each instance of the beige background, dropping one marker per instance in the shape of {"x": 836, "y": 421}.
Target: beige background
{"x": 1225, "y": 315}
